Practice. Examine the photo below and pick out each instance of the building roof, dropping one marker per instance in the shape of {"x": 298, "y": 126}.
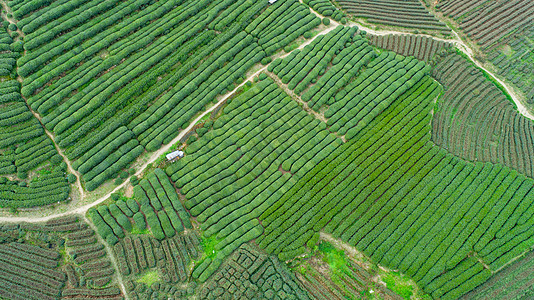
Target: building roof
{"x": 174, "y": 155}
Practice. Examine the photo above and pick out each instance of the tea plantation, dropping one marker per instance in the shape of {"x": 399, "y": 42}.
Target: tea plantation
{"x": 282, "y": 149}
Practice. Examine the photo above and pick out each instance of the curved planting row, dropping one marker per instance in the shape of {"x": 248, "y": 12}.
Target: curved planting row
{"x": 513, "y": 281}
{"x": 408, "y": 204}
{"x": 156, "y": 206}
{"x": 8, "y": 57}
{"x": 385, "y": 79}
{"x": 409, "y": 14}
{"x": 352, "y": 99}
{"x": 486, "y": 22}
{"x": 345, "y": 66}
{"x": 115, "y": 78}
{"x": 139, "y": 254}
{"x": 514, "y": 61}
{"x": 25, "y": 147}
{"x": 59, "y": 258}
{"x": 326, "y": 8}
{"x": 257, "y": 148}
{"x": 249, "y": 274}
{"x": 29, "y": 271}
{"x": 281, "y": 23}
{"x": 301, "y": 68}
{"x": 504, "y": 30}
{"x": 474, "y": 119}
{"x": 421, "y": 47}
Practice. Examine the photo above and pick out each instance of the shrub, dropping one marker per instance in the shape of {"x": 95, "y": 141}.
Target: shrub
{"x": 191, "y": 139}
{"x": 17, "y": 46}
{"x": 139, "y": 220}
{"x": 22, "y": 174}
{"x": 262, "y": 76}
{"x": 307, "y": 35}
{"x": 123, "y": 174}
{"x": 131, "y": 171}
{"x": 134, "y": 180}
{"x": 266, "y": 60}
{"x": 12, "y": 27}
{"x": 56, "y": 159}
{"x": 71, "y": 178}
{"x": 326, "y": 21}
{"x": 201, "y": 131}
{"x": 115, "y": 196}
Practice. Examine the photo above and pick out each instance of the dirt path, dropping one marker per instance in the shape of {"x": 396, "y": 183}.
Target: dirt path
{"x": 155, "y": 155}
{"x": 297, "y": 98}
{"x": 462, "y": 46}
{"x": 458, "y": 43}
{"x": 65, "y": 159}
{"x": 110, "y": 255}
{"x": 7, "y": 9}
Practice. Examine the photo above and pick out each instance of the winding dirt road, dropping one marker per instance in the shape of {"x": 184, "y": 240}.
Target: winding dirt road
{"x": 155, "y": 155}
{"x": 460, "y": 45}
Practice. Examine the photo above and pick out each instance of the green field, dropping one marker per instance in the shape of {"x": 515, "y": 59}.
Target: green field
{"x": 348, "y": 149}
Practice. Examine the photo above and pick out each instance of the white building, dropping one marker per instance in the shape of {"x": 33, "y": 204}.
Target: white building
{"x": 174, "y": 155}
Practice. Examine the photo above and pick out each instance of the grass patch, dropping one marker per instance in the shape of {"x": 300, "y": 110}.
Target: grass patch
{"x": 149, "y": 278}
{"x": 335, "y": 258}
{"x": 208, "y": 246}
{"x": 398, "y": 286}
{"x": 136, "y": 230}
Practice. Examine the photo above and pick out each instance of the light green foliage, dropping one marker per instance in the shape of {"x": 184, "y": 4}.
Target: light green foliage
{"x": 271, "y": 131}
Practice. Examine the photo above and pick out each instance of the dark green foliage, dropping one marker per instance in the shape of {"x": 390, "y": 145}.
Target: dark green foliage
{"x": 427, "y": 47}
{"x": 184, "y": 56}
{"x": 257, "y": 276}
{"x": 326, "y": 21}
{"x": 123, "y": 174}
{"x": 325, "y": 8}
{"x": 71, "y": 178}
{"x": 247, "y": 159}
{"x": 404, "y": 202}
{"x": 134, "y": 180}
{"x": 25, "y": 147}
{"x": 266, "y": 60}
{"x": 506, "y": 143}
{"x": 139, "y": 220}
{"x": 412, "y": 15}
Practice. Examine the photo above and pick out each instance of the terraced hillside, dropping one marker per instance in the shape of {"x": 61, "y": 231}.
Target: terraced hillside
{"x": 127, "y": 76}
{"x": 504, "y": 32}
{"x": 410, "y": 14}
{"x": 312, "y": 157}
{"x": 60, "y": 258}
